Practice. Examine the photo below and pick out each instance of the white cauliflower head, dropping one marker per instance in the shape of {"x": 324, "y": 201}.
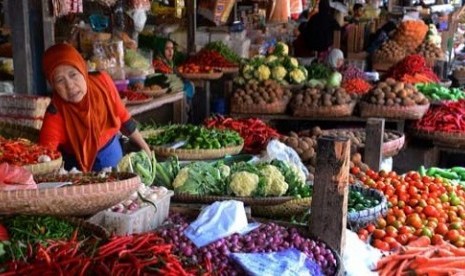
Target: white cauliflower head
{"x": 281, "y": 48}
{"x": 278, "y": 73}
{"x": 263, "y": 73}
{"x": 181, "y": 177}
{"x": 247, "y": 71}
{"x": 244, "y": 183}
{"x": 274, "y": 179}
{"x": 297, "y": 76}
{"x": 271, "y": 59}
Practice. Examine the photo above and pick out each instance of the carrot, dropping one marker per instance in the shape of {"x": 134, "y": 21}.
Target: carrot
{"x": 390, "y": 267}
{"x": 457, "y": 251}
{"x": 404, "y": 264}
{"x": 422, "y": 241}
{"x": 442, "y": 252}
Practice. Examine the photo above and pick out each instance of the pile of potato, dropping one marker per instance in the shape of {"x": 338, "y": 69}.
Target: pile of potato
{"x": 390, "y": 51}
{"x": 317, "y": 97}
{"x": 267, "y": 92}
{"x": 430, "y": 51}
{"x": 394, "y": 93}
{"x": 358, "y": 136}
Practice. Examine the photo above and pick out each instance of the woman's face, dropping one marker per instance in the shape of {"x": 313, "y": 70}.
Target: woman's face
{"x": 69, "y": 83}
{"x": 169, "y": 50}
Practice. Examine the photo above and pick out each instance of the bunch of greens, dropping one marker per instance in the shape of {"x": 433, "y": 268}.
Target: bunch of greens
{"x": 195, "y": 137}
{"x": 436, "y": 91}
{"x": 318, "y": 71}
{"x": 24, "y": 230}
{"x": 166, "y": 172}
{"x": 297, "y": 185}
{"x": 141, "y": 164}
{"x": 202, "y": 178}
{"x": 224, "y": 50}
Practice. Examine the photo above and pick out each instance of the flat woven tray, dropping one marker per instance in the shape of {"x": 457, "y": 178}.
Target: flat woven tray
{"x": 356, "y": 220}
{"x": 46, "y": 167}
{"x": 75, "y": 200}
{"x": 402, "y": 112}
{"x": 197, "y": 154}
{"x": 139, "y": 101}
{"x": 12, "y": 131}
{"x": 202, "y": 76}
{"x": 154, "y": 93}
{"x": 447, "y": 138}
{"x": 325, "y": 111}
{"x": 287, "y": 209}
{"x": 251, "y": 201}
{"x": 273, "y": 108}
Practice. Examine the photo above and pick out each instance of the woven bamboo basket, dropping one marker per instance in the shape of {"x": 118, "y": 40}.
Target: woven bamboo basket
{"x": 197, "y": 154}
{"x": 251, "y": 201}
{"x": 273, "y": 108}
{"x": 360, "y": 219}
{"x": 46, "y": 167}
{"x": 24, "y": 101}
{"x": 202, "y": 76}
{"x": 12, "y": 131}
{"x": 293, "y": 207}
{"x": 74, "y": 200}
{"x": 326, "y": 111}
{"x": 449, "y": 138}
{"x": 402, "y": 112}
{"x": 138, "y": 101}
{"x": 154, "y": 93}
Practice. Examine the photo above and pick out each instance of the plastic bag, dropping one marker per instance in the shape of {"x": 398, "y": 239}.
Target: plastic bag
{"x": 141, "y": 4}
{"x": 139, "y": 17}
{"x": 277, "y": 150}
{"x": 15, "y": 178}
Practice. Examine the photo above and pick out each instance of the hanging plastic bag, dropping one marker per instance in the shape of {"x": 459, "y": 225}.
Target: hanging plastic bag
{"x": 15, "y": 178}
{"x": 139, "y": 17}
{"x": 277, "y": 150}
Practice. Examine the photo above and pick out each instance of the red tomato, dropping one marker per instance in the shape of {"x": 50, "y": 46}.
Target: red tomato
{"x": 430, "y": 211}
{"x": 381, "y": 245}
{"x": 402, "y": 239}
{"x": 370, "y": 228}
{"x": 452, "y": 235}
{"x": 437, "y": 239}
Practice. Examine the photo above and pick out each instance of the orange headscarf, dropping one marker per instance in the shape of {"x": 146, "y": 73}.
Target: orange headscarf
{"x": 84, "y": 121}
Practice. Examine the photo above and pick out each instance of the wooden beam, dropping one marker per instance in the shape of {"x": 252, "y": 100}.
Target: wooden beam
{"x": 374, "y": 143}
{"x": 191, "y": 10}
{"x": 328, "y": 217}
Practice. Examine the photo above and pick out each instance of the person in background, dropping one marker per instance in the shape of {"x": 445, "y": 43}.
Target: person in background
{"x": 165, "y": 62}
{"x": 381, "y": 36}
{"x": 86, "y": 114}
{"x": 319, "y": 32}
{"x": 357, "y": 13}
{"x": 335, "y": 59}
{"x": 299, "y": 44}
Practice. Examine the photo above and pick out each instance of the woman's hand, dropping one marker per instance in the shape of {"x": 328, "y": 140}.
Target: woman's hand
{"x": 136, "y": 137}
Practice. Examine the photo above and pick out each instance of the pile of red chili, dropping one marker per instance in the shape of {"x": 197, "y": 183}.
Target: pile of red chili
{"x": 356, "y": 86}
{"x": 210, "y": 58}
{"x": 23, "y": 152}
{"x": 413, "y": 69}
{"x": 255, "y": 132}
{"x": 133, "y": 96}
{"x": 447, "y": 117}
{"x": 127, "y": 255}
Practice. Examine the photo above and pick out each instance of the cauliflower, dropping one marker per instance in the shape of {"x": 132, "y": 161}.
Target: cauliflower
{"x": 300, "y": 173}
{"x": 244, "y": 183}
{"x": 271, "y": 59}
{"x": 181, "y": 177}
{"x": 239, "y": 80}
{"x": 262, "y": 73}
{"x": 274, "y": 181}
{"x": 281, "y": 49}
{"x": 304, "y": 70}
{"x": 224, "y": 170}
{"x": 297, "y": 76}
{"x": 278, "y": 73}
{"x": 247, "y": 72}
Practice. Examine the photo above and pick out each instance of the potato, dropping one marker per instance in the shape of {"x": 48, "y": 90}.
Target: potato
{"x": 293, "y": 142}
{"x": 303, "y": 145}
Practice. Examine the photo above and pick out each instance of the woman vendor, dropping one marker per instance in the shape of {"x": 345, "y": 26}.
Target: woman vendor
{"x": 86, "y": 114}
{"x": 335, "y": 59}
{"x": 164, "y": 62}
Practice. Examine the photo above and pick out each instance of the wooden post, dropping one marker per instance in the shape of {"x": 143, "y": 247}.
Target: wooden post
{"x": 191, "y": 10}
{"x": 374, "y": 143}
{"x": 328, "y": 217}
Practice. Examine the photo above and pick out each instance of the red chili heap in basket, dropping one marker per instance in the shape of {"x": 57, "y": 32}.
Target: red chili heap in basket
{"x": 356, "y": 86}
{"x": 255, "y": 132}
{"x": 413, "y": 69}
{"x": 23, "y": 152}
{"x": 133, "y": 96}
{"x": 145, "y": 254}
{"x": 205, "y": 61}
{"x": 447, "y": 117}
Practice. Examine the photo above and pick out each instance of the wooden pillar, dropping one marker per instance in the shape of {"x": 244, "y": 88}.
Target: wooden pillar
{"x": 191, "y": 25}
{"x": 328, "y": 217}
{"x": 30, "y": 36}
{"x": 374, "y": 143}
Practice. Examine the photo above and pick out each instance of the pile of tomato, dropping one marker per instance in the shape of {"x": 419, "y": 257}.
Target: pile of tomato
{"x": 194, "y": 68}
{"x": 419, "y": 206}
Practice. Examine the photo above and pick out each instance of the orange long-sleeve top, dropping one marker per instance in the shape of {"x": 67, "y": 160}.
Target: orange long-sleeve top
{"x": 53, "y": 132}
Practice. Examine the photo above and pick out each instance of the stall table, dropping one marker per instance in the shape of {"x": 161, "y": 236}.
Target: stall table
{"x": 176, "y": 99}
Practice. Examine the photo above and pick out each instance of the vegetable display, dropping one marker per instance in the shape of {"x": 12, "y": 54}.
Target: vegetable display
{"x": 446, "y": 117}
{"x": 390, "y": 51}
{"x": 359, "y": 202}
{"x": 413, "y": 69}
{"x": 305, "y": 147}
{"x": 456, "y": 174}
{"x": 223, "y": 50}
{"x": 82, "y": 178}
{"x": 316, "y": 97}
{"x": 132, "y": 96}
{"x": 436, "y": 91}
{"x": 418, "y": 206}
{"x": 255, "y": 132}
{"x": 202, "y": 178}
{"x": 268, "y": 92}
{"x": 350, "y": 72}
{"x": 269, "y": 237}
{"x": 318, "y": 71}
{"x": 356, "y": 86}
{"x": 393, "y": 93}
{"x": 22, "y": 152}
{"x": 206, "y": 59}
{"x": 430, "y": 50}
{"x": 410, "y": 34}
{"x": 357, "y": 137}
{"x": 196, "y": 137}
